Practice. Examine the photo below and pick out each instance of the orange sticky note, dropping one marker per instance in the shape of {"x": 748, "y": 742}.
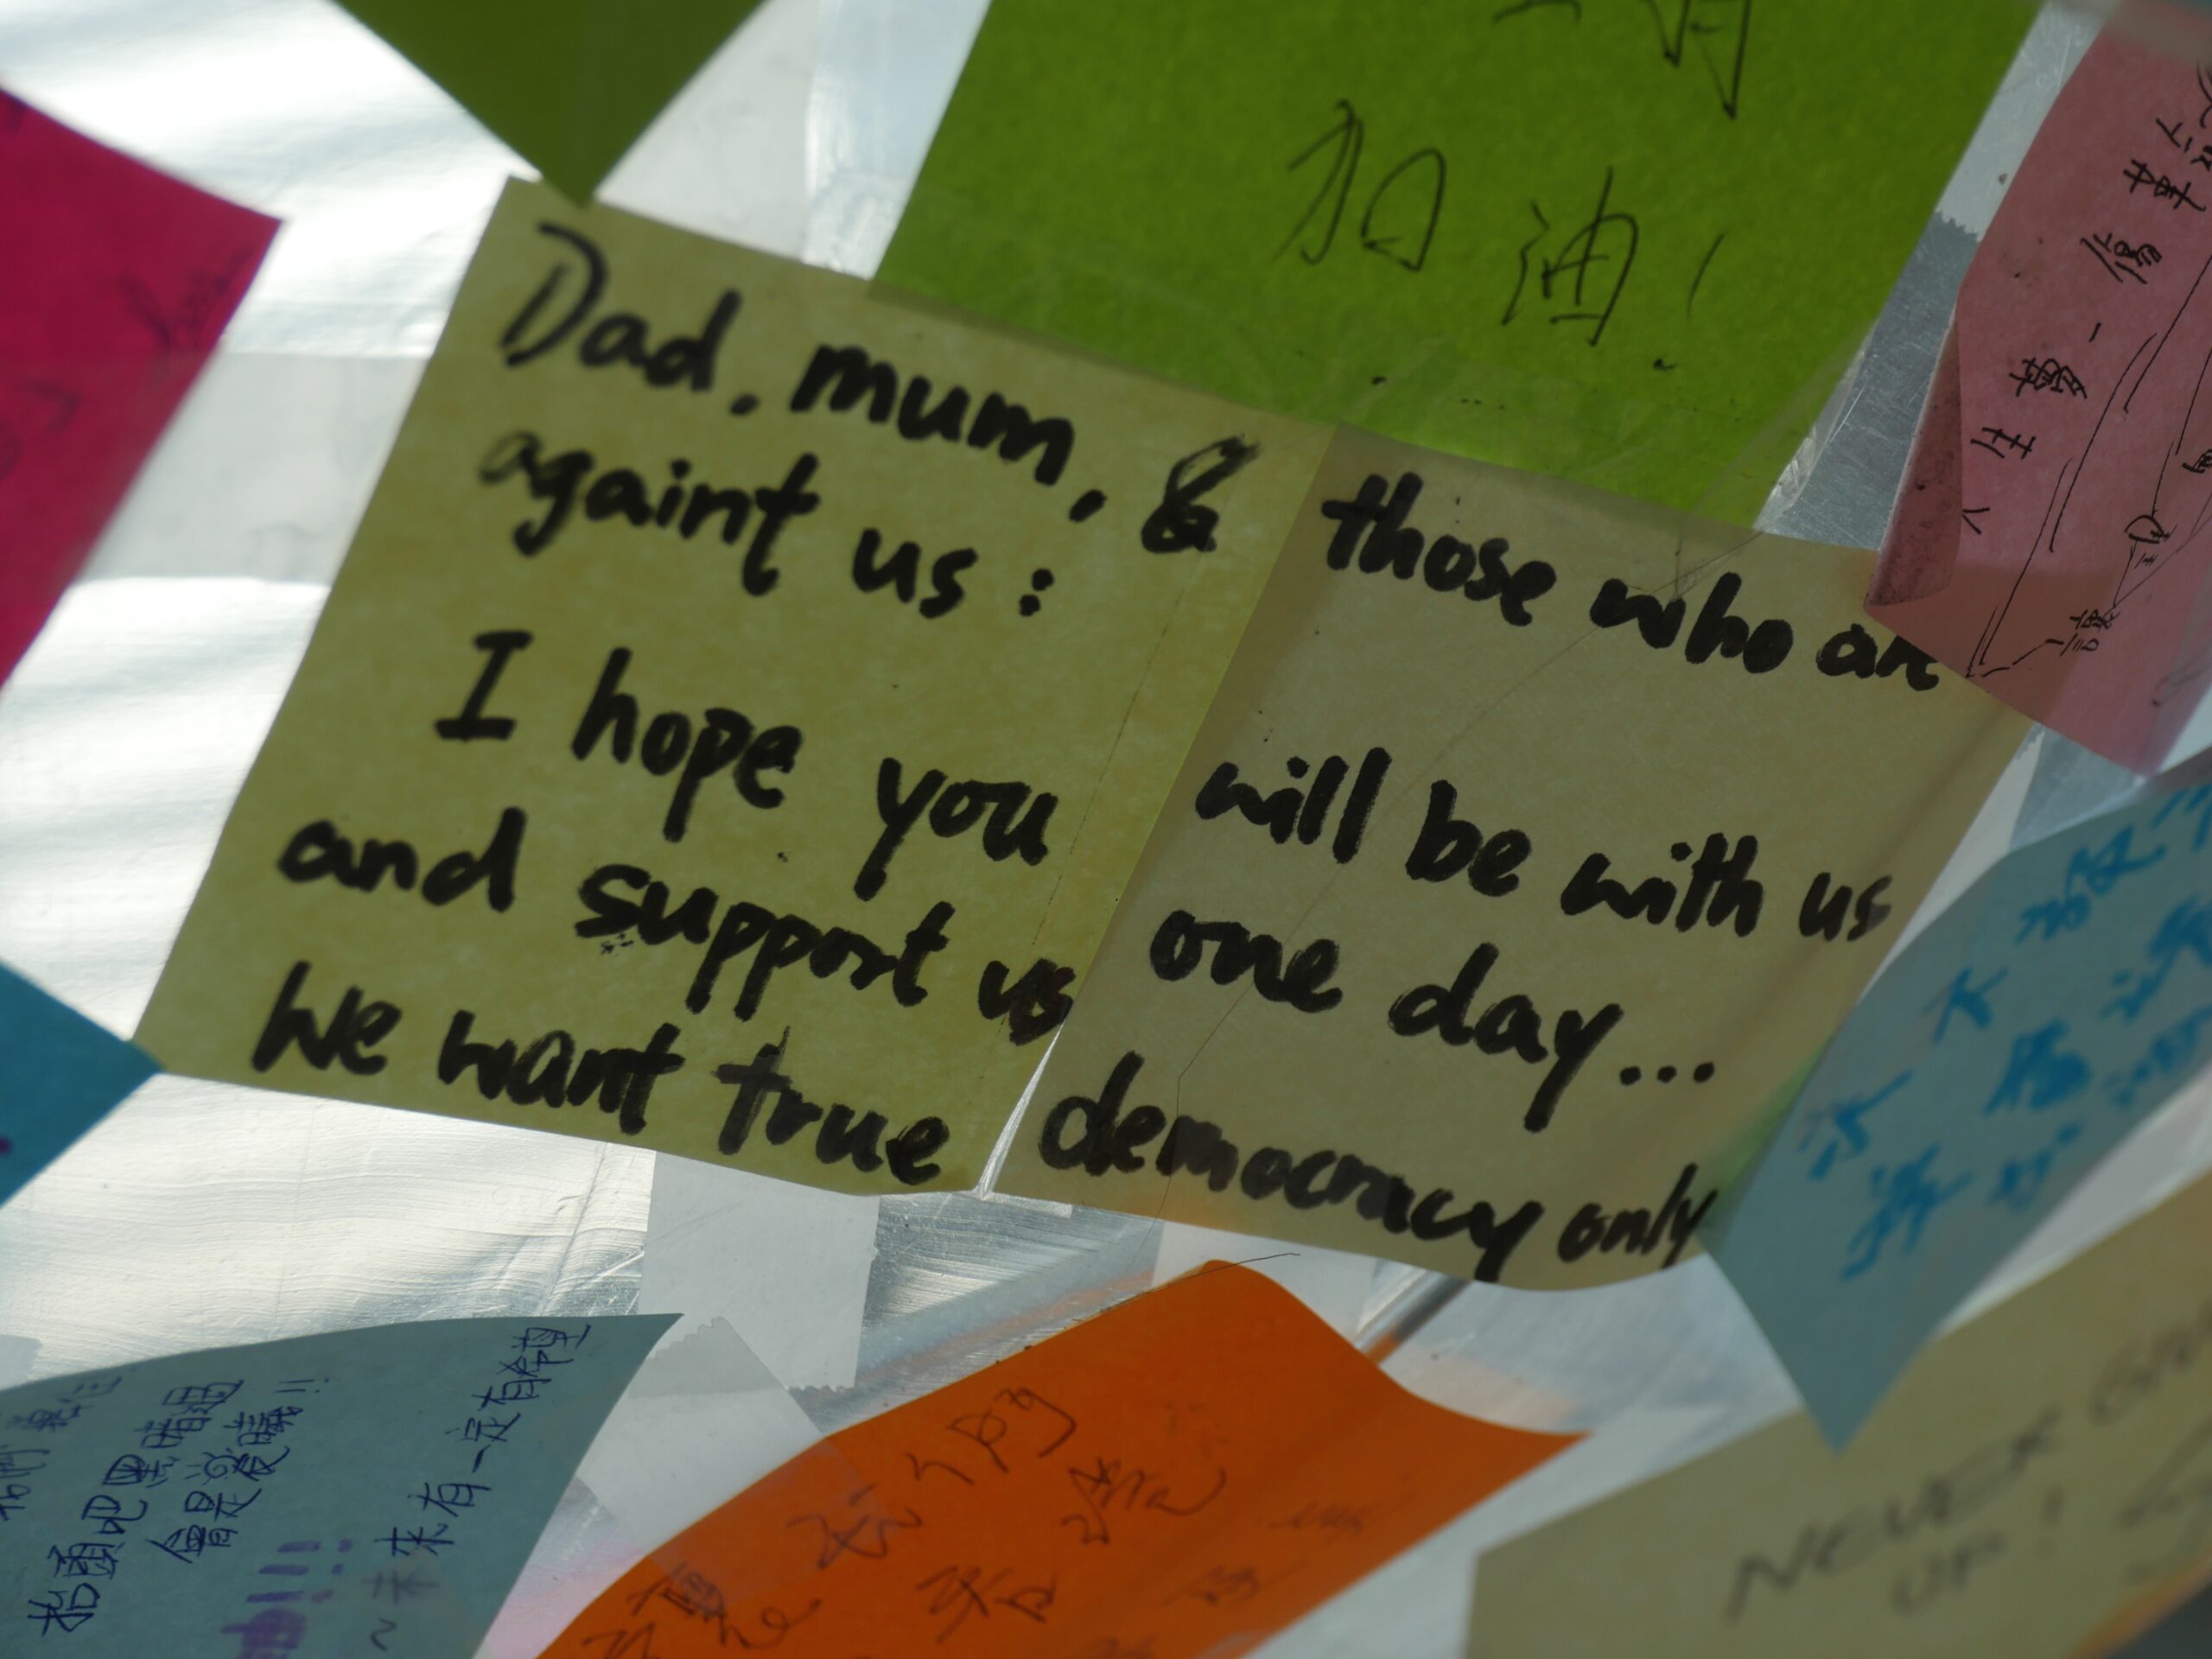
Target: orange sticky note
{"x": 1184, "y": 1475}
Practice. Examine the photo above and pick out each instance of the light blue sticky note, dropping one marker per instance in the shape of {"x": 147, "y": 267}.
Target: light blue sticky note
{"x": 2027, "y": 1031}
{"x": 59, "y": 1074}
{"x": 362, "y": 1493}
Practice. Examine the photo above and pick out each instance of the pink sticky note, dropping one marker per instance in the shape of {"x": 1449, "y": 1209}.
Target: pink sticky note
{"x": 116, "y": 281}
{"x": 2050, "y": 542}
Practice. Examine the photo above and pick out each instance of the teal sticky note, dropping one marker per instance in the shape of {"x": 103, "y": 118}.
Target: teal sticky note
{"x": 2010, "y": 1046}
{"x": 364, "y": 1492}
{"x": 59, "y": 1074}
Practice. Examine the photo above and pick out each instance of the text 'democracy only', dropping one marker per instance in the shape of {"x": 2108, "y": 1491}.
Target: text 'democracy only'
{"x": 1537, "y": 842}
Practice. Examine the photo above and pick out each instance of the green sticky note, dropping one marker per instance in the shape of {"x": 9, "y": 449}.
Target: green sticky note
{"x": 1631, "y": 242}
{"x": 568, "y": 84}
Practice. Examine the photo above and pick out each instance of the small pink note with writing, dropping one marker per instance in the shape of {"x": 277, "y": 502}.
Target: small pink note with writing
{"x": 2052, "y": 539}
{"x": 116, "y": 283}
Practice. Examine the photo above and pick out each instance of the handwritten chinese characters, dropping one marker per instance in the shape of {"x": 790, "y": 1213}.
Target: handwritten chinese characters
{"x": 2048, "y": 543}
{"x": 1504, "y": 886}
{"x": 2040, "y": 1485}
{"x": 1579, "y": 272}
{"x": 2034, "y": 1024}
{"x": 367, "y": 1491}
{"x": 119, "y": 282}
{"x": 804, "y": 889}
{"x": 1628, "y": 243}
{"x": 1206, "y": 1462}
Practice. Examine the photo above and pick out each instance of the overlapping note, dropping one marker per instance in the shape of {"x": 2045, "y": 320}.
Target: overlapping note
{"x": 371, "y": 1491}
{"x": 117, "y": 281}
{"x": 570, "y": 84}
{"x": 59, "y": 1074}
{"x": 2037, "y": 1488}
{"x": 2033, "y": 1025}
{"x": 737, "y": 717}
{"x": 1535, "y": 842}
{"x": 1181, "y": 1476}
{"x": 1632, "y": 243}
{"x": 2050, "y": 540}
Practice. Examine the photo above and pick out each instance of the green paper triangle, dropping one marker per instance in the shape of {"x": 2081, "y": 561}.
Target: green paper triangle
{"x": 568, "y": 84}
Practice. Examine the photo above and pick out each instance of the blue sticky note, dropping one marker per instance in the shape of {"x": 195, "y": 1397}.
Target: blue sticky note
{"x": 365, "y": 1491}
{"x": 2027, "y": 1031}
{"x": 59, "y": 1074}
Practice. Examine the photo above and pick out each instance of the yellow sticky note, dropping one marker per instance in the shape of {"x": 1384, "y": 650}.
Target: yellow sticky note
{"x": 1535, "y": 842}
{"x": 742, "y": 704}
{"x": 2035, "y": 1488}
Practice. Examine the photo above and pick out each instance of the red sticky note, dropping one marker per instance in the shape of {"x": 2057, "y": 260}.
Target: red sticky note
{"x": 1181, "y": 1476}
{"x": 116, "y": 283}
{"x": 2052, "y": 538}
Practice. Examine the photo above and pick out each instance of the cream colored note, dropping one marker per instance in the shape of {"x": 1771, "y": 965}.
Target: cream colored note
{"x": 1536, "y": 840}
{"x": 744, "y": 701}
{"x": 2040, "y": 1483}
